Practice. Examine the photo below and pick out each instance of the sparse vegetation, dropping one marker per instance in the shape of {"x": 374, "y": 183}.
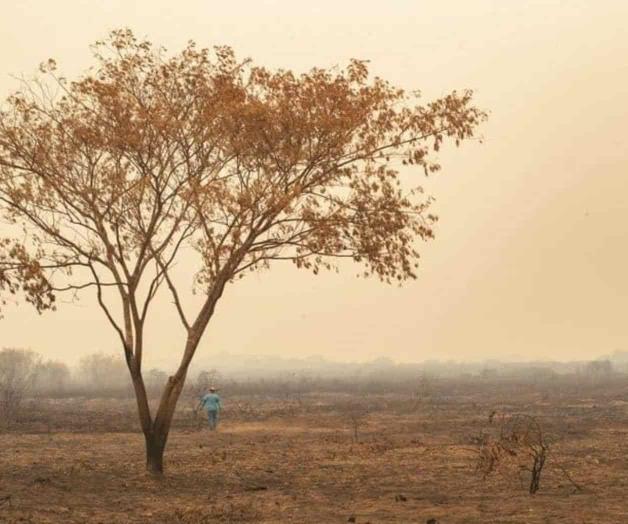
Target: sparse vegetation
{"x": 406, "y": 465}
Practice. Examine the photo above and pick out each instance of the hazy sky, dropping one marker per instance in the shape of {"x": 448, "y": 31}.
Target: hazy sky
{"x": 532, "y": 246}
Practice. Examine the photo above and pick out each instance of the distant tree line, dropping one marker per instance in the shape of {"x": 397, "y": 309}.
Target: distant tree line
{"x": 26, "y": 374}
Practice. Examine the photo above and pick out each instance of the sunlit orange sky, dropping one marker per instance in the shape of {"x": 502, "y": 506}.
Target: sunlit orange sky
{"x": 532, "y": 247}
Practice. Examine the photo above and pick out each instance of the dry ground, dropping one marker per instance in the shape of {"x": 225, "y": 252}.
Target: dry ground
{"x": 297, "y": 460}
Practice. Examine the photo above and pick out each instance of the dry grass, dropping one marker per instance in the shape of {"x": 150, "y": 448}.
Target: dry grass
{"x": 300, "y": 463}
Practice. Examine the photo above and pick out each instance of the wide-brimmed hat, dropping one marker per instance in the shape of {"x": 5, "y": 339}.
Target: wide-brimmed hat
{"x": 213, "y": 388}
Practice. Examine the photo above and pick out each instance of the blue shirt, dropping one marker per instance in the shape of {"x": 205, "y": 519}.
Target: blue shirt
{"x": 211, "y": 402}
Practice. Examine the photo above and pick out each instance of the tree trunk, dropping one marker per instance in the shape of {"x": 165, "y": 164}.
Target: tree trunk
{"x": 157, "y": 435}
{"x": 155, "y": 446}
{"x": 156, "y": 430}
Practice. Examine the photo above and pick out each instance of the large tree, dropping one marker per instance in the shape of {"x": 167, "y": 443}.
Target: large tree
{"x": 109, "y": 178}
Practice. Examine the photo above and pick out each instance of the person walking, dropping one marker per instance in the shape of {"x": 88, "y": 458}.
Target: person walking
{"x": 210, "y": 401}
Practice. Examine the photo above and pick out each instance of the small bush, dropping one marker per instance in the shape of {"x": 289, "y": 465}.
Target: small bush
{"x": 18, "y": 372}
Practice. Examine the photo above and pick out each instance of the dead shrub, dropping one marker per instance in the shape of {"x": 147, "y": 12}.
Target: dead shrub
{"x": 517, "y": 443}
{"x": 357, "y": 416}
{"x": 520, "y": 444}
